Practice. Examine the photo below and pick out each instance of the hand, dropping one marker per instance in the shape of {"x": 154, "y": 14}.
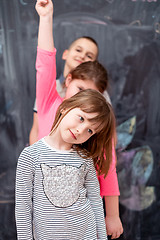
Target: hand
{"x": 113, "y": 226}
{"x": 44, "y": 7}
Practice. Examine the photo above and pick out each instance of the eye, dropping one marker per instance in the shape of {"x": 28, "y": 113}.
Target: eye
{"x": 80, "y": 89}
{"x": 81, "y": 119}
{"x": 78, "y": 50}
{"x": 90, "y": 57}
{"x": 90, "y": 131}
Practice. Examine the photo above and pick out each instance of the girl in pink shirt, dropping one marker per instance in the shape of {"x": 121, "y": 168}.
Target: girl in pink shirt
{"x": 87, "y": 75}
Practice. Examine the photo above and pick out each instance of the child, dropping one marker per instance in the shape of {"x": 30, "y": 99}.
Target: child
{"x": 86, "y": 75}
{"x": 57, "y": 191}
{"x": 81, "y": 50}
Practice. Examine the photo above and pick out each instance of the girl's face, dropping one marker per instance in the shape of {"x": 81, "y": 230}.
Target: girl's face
{"x": 77, "y": 85}
{"x": 75, "y": 127}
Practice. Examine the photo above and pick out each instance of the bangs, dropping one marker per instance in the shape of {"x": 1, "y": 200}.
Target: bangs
{"x": 102, "y": 118}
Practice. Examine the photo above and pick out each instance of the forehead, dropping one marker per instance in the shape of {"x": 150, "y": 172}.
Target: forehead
{"x": 87, "y": 116}
{"x": 84, "y": 84}
{"x": 90, "y": 117}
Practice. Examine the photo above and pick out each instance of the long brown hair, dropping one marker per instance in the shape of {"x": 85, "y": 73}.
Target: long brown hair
{"x": 99, "y": 146}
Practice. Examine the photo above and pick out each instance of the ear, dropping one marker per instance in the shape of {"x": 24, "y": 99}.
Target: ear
{"x": 68, "y": 80}
{"x": 62, "y": 111}
{"x": 64, "y": 55}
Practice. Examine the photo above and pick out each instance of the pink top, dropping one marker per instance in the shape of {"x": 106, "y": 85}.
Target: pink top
{"x": 48, "y": 100}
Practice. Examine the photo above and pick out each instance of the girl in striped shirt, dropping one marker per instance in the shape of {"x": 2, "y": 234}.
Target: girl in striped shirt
{"x": 57, "y": 190}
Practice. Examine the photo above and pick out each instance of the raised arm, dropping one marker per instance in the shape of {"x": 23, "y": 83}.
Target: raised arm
{"x": 44, "y": 9}
{"x": 46, "y": 93}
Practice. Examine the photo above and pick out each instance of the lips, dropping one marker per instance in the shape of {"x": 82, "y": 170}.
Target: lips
{"x": 79, "y": 61}
{"x": 72, "y": 134}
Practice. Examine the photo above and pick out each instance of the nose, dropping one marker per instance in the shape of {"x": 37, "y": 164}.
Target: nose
{"x": 77, "y": 130}
{"x": 80, "y": 129}
{"x": 82, "y": 55}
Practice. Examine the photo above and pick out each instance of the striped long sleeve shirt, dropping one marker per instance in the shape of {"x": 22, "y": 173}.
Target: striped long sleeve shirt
{"x": 57, "y": 196}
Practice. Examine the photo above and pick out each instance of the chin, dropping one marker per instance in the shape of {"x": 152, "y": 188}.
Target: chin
{"x": 77, "y": 63}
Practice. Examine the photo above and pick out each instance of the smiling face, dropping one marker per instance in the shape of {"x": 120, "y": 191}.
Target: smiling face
{"x": 82, "y": 50}
{"x": 75, "y": 128}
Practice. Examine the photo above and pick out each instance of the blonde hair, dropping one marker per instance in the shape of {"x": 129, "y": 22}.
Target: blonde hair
{"x": 98, "y": 146}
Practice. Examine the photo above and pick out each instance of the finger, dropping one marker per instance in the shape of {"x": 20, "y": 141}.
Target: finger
{"x": 115, "y": 235}
{"x": 121, "y": 231}
{"x": 42, "y": 2}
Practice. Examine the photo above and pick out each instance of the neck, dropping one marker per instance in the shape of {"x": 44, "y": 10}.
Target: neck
{"x": 66, "y": 71}
{"x": 56, "y": 142}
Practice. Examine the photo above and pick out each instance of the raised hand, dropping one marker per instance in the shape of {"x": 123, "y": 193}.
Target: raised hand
{"x": 44, "y": 7}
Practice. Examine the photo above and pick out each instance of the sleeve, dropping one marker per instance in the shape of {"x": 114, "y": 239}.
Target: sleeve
{"x": 109, "y": 185}
{"x": 46, "y": 92}
{"x": 93, "y": 194}
{"x": 24, "y": 188}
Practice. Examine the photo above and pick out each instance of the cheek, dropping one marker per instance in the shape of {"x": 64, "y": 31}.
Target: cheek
{"x": 69, "y": 92}
{"x": 73, "y": 91}
{"x": 76, "y": 91}
{"x": 85, "y": 138}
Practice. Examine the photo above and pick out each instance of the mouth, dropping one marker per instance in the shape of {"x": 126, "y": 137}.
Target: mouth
{"x": 72, "y": 134}
{"x": 79, "y": 61}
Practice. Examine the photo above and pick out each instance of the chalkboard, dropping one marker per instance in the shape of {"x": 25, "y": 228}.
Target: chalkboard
{"x": 128, "y": 35}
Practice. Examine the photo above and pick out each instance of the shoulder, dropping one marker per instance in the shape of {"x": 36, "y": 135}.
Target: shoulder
{"x": 60, "y": 88}
{"x": 36, "y": 147}
{"x": 32, "y": 151}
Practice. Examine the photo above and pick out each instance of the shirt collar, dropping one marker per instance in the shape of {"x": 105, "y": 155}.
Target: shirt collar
{"x": 61, "y": 79}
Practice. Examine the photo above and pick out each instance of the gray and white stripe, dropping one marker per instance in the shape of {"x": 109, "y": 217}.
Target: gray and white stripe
{"x": 57, "y": 196}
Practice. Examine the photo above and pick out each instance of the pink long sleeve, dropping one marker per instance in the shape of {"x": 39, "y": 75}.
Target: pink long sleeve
{"x": 109, "y": 185}
{"x": 47, "y": 97}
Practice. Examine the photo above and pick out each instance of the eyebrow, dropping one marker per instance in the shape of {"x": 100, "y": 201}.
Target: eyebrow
{"x": 90, "y": 120}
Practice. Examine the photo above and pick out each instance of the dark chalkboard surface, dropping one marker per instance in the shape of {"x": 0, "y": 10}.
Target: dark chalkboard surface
{"x": 128, "y": 35}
